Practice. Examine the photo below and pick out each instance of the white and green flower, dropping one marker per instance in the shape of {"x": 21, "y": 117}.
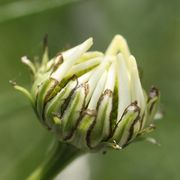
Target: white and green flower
{"x": 90, "y": 99}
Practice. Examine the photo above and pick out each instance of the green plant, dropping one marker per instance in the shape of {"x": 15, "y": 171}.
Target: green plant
{"x": 91, "y": 101}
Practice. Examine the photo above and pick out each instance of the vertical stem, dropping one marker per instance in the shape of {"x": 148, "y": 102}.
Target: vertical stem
{"x": 61, "y": 155}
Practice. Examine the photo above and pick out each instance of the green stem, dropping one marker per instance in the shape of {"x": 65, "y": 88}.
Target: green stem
{"x": 60, "y": 157}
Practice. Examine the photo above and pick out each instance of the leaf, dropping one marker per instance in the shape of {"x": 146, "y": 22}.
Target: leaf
{"x": 23, "y": 8}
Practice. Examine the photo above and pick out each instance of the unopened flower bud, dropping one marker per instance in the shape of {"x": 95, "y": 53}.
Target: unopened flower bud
{"x": 90, "y": 99}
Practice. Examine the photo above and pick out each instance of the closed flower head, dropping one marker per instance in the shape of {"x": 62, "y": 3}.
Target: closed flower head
{"x": 92, "y": 100}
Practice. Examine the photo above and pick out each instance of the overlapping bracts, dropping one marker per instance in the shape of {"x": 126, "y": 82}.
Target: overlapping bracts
{"x": 90, "y": 99}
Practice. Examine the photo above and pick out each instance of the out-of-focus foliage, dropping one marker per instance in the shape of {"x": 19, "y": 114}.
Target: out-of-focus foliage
{"x": 152, "y": 29}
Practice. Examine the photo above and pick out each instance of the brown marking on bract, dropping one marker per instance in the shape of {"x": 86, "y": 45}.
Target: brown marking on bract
{"x": 82, "y": 114}
{"x": 153, "y": 93}
{"x": 136, "y": 108}
{"x": 131, "y": 130}
{"x": 57, "y": 62}
{"x": 108, "y": 93}
{"x": 90, "y": 112}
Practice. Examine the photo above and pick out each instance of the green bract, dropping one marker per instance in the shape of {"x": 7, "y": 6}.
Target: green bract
{"x": 90, "y": 99}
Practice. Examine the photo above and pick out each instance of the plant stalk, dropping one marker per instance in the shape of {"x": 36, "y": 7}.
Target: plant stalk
{"x": 61, "y": 155}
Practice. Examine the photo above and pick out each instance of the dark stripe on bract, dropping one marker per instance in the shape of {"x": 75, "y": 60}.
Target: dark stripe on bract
{"x": 58, "y": 62}
{"x": 41, "y": 116}
{"x": 51, "y": 89}
{"x": 88, "y": 135}
{"x": 151, "y": 107}
{"x": 110, "y": 93}
{"x": 61, "y": 85}
{"x": 107, "y": 92}
{"x": 91, "y": 113}
{"x": 86, "y": 89}
{"x": 124, "y": 113}
{"x": 131, "y": 130}
{"x": 153, "y": 93}
{"x": 48, "y": 94}
{"x": 67, "y": 100}
{"x": 141, "y": 120}
{"x": 114, "y": 111}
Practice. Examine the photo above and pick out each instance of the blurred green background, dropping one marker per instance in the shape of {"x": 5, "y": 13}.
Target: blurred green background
{"x": 152, "y": 29}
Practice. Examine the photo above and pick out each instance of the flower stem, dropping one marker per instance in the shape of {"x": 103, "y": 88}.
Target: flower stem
{"x": 61, "y": 155}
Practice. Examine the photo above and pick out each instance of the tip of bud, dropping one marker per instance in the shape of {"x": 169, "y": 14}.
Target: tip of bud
{"x": 24, "y": 60}
{"x": 119, "y": 37}
{"x": 28, "y": 63}
{"x": 118, "y": 44}
{"x": 89, "y": 41}
{"x": 86, "y": 44}
{"x": 13, "y": 83}
{"x": 70, "y": 57}
{"x": 153, "y": 92}
{"x": 133, "y": 61}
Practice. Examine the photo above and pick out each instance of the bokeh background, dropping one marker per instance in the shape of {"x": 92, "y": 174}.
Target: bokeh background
{"x": 152, "y": 29}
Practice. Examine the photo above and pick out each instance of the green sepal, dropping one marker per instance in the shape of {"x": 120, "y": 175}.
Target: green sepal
{"x": 43, "y": 94}
{"x": 101, "y": 129}
{"x": 56, "y": 104}
{"x": 86, "y": 121}
{"x": 124, "y": 128}
{"x": 152, "y": 104}
{"x": 24, "y": 91}
{"x": 73, "y": 112}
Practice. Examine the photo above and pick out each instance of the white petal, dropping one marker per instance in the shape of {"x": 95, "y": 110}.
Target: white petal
{"x": 85, "y": 77}
{"x": 89, "y": 55}
{"x": 84, "y": 65}
{"x": 136, "y": 88}
{"x": 98, "y": 91}
{"x": 117, "y": 45}
{"x": 110, "y": 83}
{"x": 70, "y": 57}
{"x": 96, "y": 75}
{"x": 124, "y": 98}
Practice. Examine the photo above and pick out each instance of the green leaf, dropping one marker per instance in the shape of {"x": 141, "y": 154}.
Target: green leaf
{"x": 23, "y": 8}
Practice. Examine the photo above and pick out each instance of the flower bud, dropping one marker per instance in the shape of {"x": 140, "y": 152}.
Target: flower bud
{"x": 92, "y": 100}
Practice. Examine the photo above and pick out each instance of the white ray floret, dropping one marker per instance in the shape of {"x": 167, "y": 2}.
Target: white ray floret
{"x": 136, "y": 88}
{"x": 89, "y": 55}
{"x": 117, "y": 45}
{"x": 124, "y": 96}
{"x": 91, "y": 100}
{"x": 111, "y": 77}
{"x": 85, "y": 77}
{"x": 70, "y": 57}
{"x": 98, "y": 91}
{"x": 95, "y": 78}
{"x": 84, "y": 65}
